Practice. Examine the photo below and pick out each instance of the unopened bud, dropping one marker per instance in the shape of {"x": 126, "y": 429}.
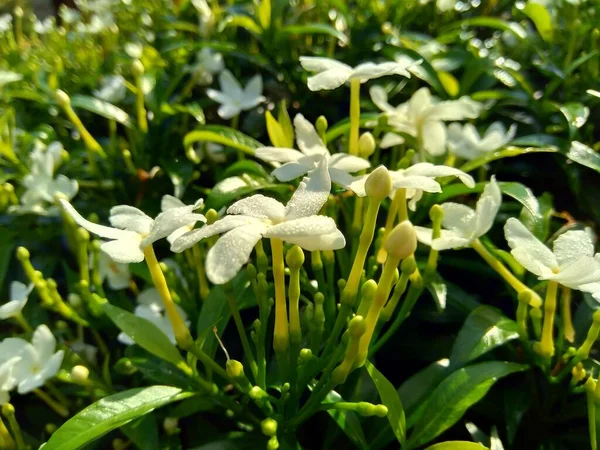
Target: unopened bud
{"x": 357, "y": 327}
{"x": 235, "y": 369}
{"x": 273, "y": 443}
{"x": 80, "y": 374}
{"x": 83, "y": 235}
{"x": 294, "y": 258}
{"x": 256, "y": 393}
{"x": 366, "y": 145}
{"x": 381, "y": 410}
{"x": 379, "y": 184}
{"x": 251, "y": 271}
{"x": 269, "y": 427}
{"x": 8, "y": 410}
{"x": 137, "y": 68}
{"x": 22, "y": 253}
{"x": 368, "y": 288}
{"x": 306, "y": 354}
{"x": 408, "y": 266}
{"x": 62, "y": 98}
{"x": 436, "y": 213}
{"x": 402, "y": 240}
{"x": 321, "y": 125}
{"x": 211, "y": 216}
{"x": 51, "y": 428}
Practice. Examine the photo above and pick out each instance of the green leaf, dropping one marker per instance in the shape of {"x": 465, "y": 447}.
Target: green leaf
{"x": 102, "y": 108}
{"x": 347, "y": 420}
{"x": 457, "y": 445}
{"x": 276, "y": 134}
{"x": 222, "y": 135}
{"x": 576, "y": 115}
{"x": 439, "y": 291}
{"x": 541, "y": 18}
{"x": 314, "y": 28}
{"x": 453, "y": 396}
{"x": 424, "y": 70}
{"x": 508, "y": 152}
{"x": 110, "y": 413}
{"x": 6, "y": 250}
{"x": 484, "y": 330}
{"x": 538, "y": 222}
{"x": 489, "y": 22}
{"x": 284, "y": 120}
{"x": 247, "y": 167}
{"x": 450, "y": 83}
{"x": 194, "y": 109}
{"x": 143, "y": 432}
{"x": 245, "y": 22}
{"x": 584, "y": 155}
{"x": 145, "y": 334}
{"x": 264, "y": 13}
{"x": 389, "y": 397}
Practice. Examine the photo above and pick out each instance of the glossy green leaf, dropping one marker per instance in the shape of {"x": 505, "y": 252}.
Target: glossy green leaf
{"x": 541, "y": 18}
{"x": 143, "y": 432}
{"x": 584, "y": 155}
{"x": 491, "y": 22}
{"x": 222, "y": 135}
{"x": 193, "y": 109}
{"x": 450, "y": 83}
{"x": 508, "y": 152}
{"x": 538, "y": 222}
{"x": 457, "y": 445}
{"x": 283, "y": 117}
{"x": 314, "y": 28}
{"x": 102, "y": 108}
{"x": 110, "y": 413}
{"x": 144, "y": 333}
{"x": 484, "y": 330}
{"x": 347, "y": 420}
{"x": 439, "y": 291}
{"x": 275, "y": 131}
{"x": 576, "y": 115}
{"x": 455, "y": 395}
{"x": 389, "y": 397}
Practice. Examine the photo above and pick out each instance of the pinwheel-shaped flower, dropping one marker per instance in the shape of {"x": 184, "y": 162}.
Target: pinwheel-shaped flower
{"x": 233, "y": 98}
{"x": 332, "y": 74}
{"x": 466, "y": 142}
{"x": 134, "y": 230}
{"x": 18, "y": 299}
{"x": 462, "y": 224}
{"x": 570, "y": 263}
{"x": 312, "y": 151}
{"x": 38, "y": 361}
{"x": 423, "y": 116}
{"x": 255, "y": 217}
{"x": 7, "y": 381}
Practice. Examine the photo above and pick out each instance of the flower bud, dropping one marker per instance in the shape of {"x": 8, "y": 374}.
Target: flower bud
{"x": 80, "y": 374}
{"x": 62, "y": 98}
{"x": 273, "y": 443}
{"x": 321, "y": 125}
{"x": 8, "y": 410}
{"x": 408, "y": 266}
{"x": 234, "y": 368}
{"x": 436, "y": 213}
{"x": 366, "y": 145}
{"x": 328, "y": 256}
{"x": 269, "y": 427}
{"x": 306, "y": 354}
{"x": 51, "y": 428}
{"x": 402, "y": 241}
{"x": 256, "y": 393}
{"x": 294, "y": 258}
{"x": 251, "y": 271}
{"x": 379, "y": 184}
{"x": 357, "y": 327}
{"x": 137, "y": 68}
{"x": 82, "y": 235}
{"x": 171, "y": 425}
{"x": 365, "y": 409}
{"x": 381, "y": 410}
{"x": 22, "y": 253}
{"x": 368, "y": 288}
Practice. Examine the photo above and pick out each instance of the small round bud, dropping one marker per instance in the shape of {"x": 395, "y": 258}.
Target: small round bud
{"x": 51, "y": 284}
{"x": 171, "y": 425}
{"x": 365, "y": 409}
{"x": 22, "y": 253}
{"x": 256, "y": 393}
{"x": 379, "y": 184}
{"x": 211, "y": 216}
{"x": 368, "y": 288}
{"x": 402, "y": 240}
{"x": 137, "y": 68}
{"x": 273, "y": 443}
{"x": 408, "y": 266}
{"x": 61, "y": 325}
{"x": 341, "y": 284}
{"x": 234, "y": 368}
{"x": 8, "y": 410}
{"x": 51, "y": 428}
{"x": 436, "y": 213}
{"x": 321, "y": 125}
{"x": 18, "y": 12}
{"x": 9, "y": 188}
{"x": 95, "y": 245}
{"x": 83, "y": 235}
{"x": 256, "y": 324}
{"x": 319, "y": 298}
{"x": 357, "y": 327}
{"x": 366, "y": 145}
{"x": 381, "y": 410}
{"x": 80, "y": 374}
{"x": 306, "y": 354}
{"x": 74, "y": 300}
{"x": 163, "y": 267}
{"x": 285, "y": 388}
{"x": 62, "y": 98}
{"x": 269, "y": 427}
{"x": 251, "y": 271}
{"x": 294, "y": 258}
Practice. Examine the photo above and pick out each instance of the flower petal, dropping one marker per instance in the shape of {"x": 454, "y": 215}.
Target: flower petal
{"x": 44, "y": 342}
{"x": 218, "y": 96}
{"x": 434, "y": 137}
{"x": 172, "y": 219}
{"x": 459, "y": 218}
{"x": 463, "y": 108}
{"x": 348, "y": 163}
{"x": 581, "y": 271}
{"x": 228, "y": 110}
{"x": 320, "y": 64}
{"x": 100, "y": 230}
{"x": 447, "y": 240}
{"x": 572, "y": 245}
{"x": 290, "y": 171}
{"x": 170, "y": 202}
{"x": 434, "y": 171}
{"x": 369, "y": 71}
{"x": 20, "y": 291}
{"x": 231, "y": 252}
{"x": 12, "y": 308}
{"x": 129, "y": 218}
{"x": 311, "y": 195}
{"x": 253, "y": 91}
{"x": 340, "y": 177}
{"x": 358, "y": 185}
{"x": 302, "y": 227}
{"x": 258, "y": 206}
{"x": 277, "y": 154}
{"x": 487, "y": 207}
{"x": 124, "y": 250}
{"x": 379, "y": 96}
{"x": 391, "y": 140}
{"x": 330, "y": 241}
{"x": 230, "y": 85}
{"x": 528, "y": 250}
{"x": 399, "y": 180}
{"x": 307, "y": 138}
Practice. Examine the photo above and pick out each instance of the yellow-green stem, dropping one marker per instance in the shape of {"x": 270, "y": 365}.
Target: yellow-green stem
{"x": 182, "y": 334}
{"x": 92, "y": 144}
{"x": 139, "y": 103}
{"x": 591, "y": 408}
{"x": 6, "y": 440}
{"x": 354, "y": 116}
{"x": 242, "y": 332}
{"x": 547, "y": 341}
{"x": 57, "y": 407}
{"x": 203, "y": 288}
{"x": 23, "y": 323}
{"x": 9, "y": 413}
{"x": 389, "y": 224}
{"x": 281, "y": 338}
{"x": 568, "y": 329}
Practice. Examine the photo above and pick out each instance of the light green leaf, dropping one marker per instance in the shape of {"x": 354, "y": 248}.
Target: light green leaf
{"x": 194, "y": 109}
{"x": 145, "y": 334}
{"x": 541, "y": 18}
{"x": 484, "y": 330}
{"x": 110, "y": 413}
{"x": 584, "y": 155}
{"x": 389, "y": 397}
{"x": 264, "y": 13}
{"x": 275, "y": 131}
{"x": 457, "y": 445}
{"x": 347, "y": 420}
{"x": 453, "y": 396}
{"x": 576, "y": 115}
{"x": 284, "y": 120}
{"x": 222, "y": 135}
{"x": 314, "y": 28}
{"x": 450, "y": 83}
{"x": 424, "y": 70}
{"x": 244, "y": 22}
{"x": 102, "y": 108}
{"x": 508, "y": 152}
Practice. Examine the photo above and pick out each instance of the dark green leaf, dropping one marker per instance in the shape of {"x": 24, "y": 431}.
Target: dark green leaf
{"x": 145, "y": 334}
{"x": 484, "y": 330}
{"x": 102, "y": 108}
{"x": 576, "y": 115}
{"x": 143, "y": 432}
{"x": 389, "y": 397}
{"x": 6, "y": 250}
{"x": 233, "y": 188}
{"x": 314, "y": 28}
{"x": 584, "y": 155}
{"x": 191, "y": 406}
{"x": 110, "y": 413}
{"x": 457, "y": 445}
{"x": 453, "y": 396}
{"x": 222, "y": 135}
{"x": 414, "y": 390}
{"x": 424, "y": 70}
{"x": 347, "y": 421}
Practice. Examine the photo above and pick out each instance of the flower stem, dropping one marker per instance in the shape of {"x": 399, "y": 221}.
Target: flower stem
{"x": 9, "y": 412}
{"x": 6, "y": 440}
{"x": 591, "y": 409}
{"x": 235, "y": 312}
{"x": 547, "y": 341}
{"x": 568, "y": 329}
{"x": 20, "y": 319}
{"x": 281, "y": 337}
{"x": 397, "y": 207}
{"x": 203, "y": 288}
{"x": 182, "y": 334}
{"x": 57, "y": 407}
{"x": 354, "y": 116}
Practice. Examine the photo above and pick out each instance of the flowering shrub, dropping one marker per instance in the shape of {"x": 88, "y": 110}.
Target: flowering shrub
{"x": 213, "y": 235}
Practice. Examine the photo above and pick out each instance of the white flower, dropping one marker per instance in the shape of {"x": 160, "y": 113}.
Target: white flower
{"x": 5, "y": 22}
{"x": 43, "y": 27}
{"x": 7, "y": 381}
{"x": 445, "y": 5}
{"x": 169, "y": 202}
{"x": 571, "y": 263}
{"x": 465, "y": 141}
{"x": 255, "y": 217}
{"x": 87, "y": 351}
{"x": 18, "y": 299}
{"x": 332, "y": 74}
{"x": 208, "y": 63}
{"x": 116, "y": 274}
{"x": 134, "y": 230}
{"x": 463, "y": 224}
{"x": 423, "y": 116}
{"x": 38, "y": 360}
{"x": 416, "y": 179}
{"x": 312, "y": 150}
{"x": 112, "y": 90}
{"x": 233, "y": 98}
{"x": 151, "y": 308}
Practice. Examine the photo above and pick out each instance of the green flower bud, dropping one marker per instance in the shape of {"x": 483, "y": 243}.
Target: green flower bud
{"x": 8, "y": 410}
{"x": 137, "y": 68}
{"x": 306, "y": 354}
{"x": 436, "y": 213}
{"x": 235, "y": 369}
{"x": 366, "y": 145}
{"x": 211, "y": 216}
{"x": 83, "y": 236}
{"x": 381, "y": 410}
{"x": 357, "y": 327}
{"x": 368, "y": 288}
{"x": 294, "y": 258}
{"x": 379, "y": 184}
{"x": 321, "y": 125}
{"x": 408, "y": 266}
{"x": 402, "y": 240}
{"x": 251, "y": 271}
{"x": 80, "y": 374}
{"x": 51, "y": 428}
{"x": 273, "y": 443}
{"x": 285, "y": 388}
{"x": 22, "y": 253}
{"x": 256, "y": 393}
{"x": 365, "y": 409}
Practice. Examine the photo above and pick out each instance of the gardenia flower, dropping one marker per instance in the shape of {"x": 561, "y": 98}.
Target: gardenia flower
{"x": 423, "y": 116}
{"x": 312, "y": 151}
{"x": 332, "y": 74}
{"x": 255, "y": 217}
{"x": 18, "y": 299}
{"x": 7, "y": 381}
{"x": 134, "y": 230}
{"x": 233, "y": 98}
{"x": 38, "y": 361}
{"x": 116, "y": 274}
{"x": 151, "y": 308}
{"x": 112, "y": 90}
{"x": 463, "y": 224}
{"x": 570, "y": 263}
{"x": 465, "y": 141}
